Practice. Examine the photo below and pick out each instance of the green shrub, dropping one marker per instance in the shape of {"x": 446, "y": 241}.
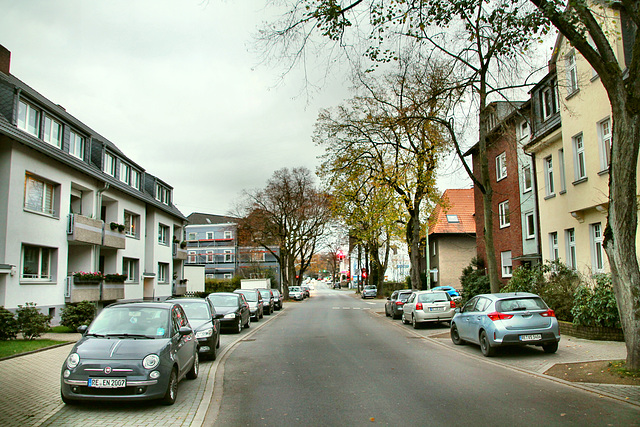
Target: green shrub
{"x": 474, "y": 281}
{"x": 221, "y": 285}
{"x": 75, "y": 315}
{"x": 31, "y": 322}
{"x": 8, "y": 325}
{"x": 596, "y": 306}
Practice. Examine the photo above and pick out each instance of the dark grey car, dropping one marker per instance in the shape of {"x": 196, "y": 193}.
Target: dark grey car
{"x": 256, "y": 304}
{"x": 131, "y": 351}
{"x": 394, "y": 304}
{"x": 268, "y": 300}
{"x": 231, "y": 309}
{"x": 202, "y": 317}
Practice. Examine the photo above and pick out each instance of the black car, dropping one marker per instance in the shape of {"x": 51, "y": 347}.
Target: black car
{"x": 131, "y": 351}
{"x": 202, "y": 317}
{"x": 278, "y": 299}
{"x": 232, "y": 310}
{"x": 394, "y": 304}
{"x": 256, "y": 305}
{"x": 268, "y": 300}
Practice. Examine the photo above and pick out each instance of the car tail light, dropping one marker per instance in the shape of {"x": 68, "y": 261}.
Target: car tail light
{"x": 548, "y": 313}
{"x": 399, "y": 303}
{"x": 419, "y": 306}
{"x": 499, "y": 316}
{"x": 452, "y": 303}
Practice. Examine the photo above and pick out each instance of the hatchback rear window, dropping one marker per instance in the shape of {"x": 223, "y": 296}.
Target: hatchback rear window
{"x": 520, "y": 304}
{"x": 434, "y": 297}
{"x": 404, "y": 297}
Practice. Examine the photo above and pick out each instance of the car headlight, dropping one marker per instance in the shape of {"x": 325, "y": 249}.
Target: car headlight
{"x": 73, "y": 360}
{"x": 151, "y": 361}
{"x": 230, "y": 316}
{"x": 205, "y": 333}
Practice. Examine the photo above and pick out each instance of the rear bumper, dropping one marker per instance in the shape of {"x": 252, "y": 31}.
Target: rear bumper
{"x": 434, "y": 316}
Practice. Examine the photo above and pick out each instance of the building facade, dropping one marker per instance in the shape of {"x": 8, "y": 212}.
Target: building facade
{"x": 76, "y": 203}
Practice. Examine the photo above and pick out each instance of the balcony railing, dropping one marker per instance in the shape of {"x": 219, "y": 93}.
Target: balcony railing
{"x": 84, "y": 230}
{"x": 178, "y": 252}
{"x": 76, "y": 291}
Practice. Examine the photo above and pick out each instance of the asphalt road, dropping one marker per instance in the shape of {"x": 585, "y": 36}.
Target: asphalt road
{"x": 331, "y": 361}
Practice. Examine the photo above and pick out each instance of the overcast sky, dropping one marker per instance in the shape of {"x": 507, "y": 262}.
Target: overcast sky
{"x": 175, "y": 85}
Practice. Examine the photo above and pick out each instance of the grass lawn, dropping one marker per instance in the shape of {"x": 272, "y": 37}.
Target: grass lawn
{"x": 17, "y": 346}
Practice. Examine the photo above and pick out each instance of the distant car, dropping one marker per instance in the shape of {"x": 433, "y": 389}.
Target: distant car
{"x": 231, "y": 309}
{"x": 393, "y": 306}
{"x": 306, "y": 290}
{"x": 269, "y": 300}
{"x": 336, "y": 285}
{"x": 278, "y": 299}
{"x": 369, "y": 291}
{"x": 131, "y": 351}
{"x": 428, "y": 306}
{"x": 494, "y": 320}
{"x": 453, "y": 293}
{"x": 202, "y": 318}
{"x": 296, "y": 293}
{"x": 256, "y": 305}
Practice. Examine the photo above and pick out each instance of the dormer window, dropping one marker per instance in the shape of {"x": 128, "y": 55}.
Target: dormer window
{"x": 452, "y": 219}
{"x": 125, "y": 173}
{"x": 109, "y": 164}
{"x": 135, "y": 179}
{"x": 76, "y": 145}
{"x": 28, "y": 118}
{"x": 52, "y": 132}
{"x": 163, "y": 194}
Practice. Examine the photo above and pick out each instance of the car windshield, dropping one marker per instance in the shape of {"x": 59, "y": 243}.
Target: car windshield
{"x": 520, "y": 304}
{"x": 371, "y": 288}
{"x": 404, "y": 296}
{"x": 223, "y": 300}
{"x": 433, "y": 297}
{"x": 266, "y": 293}
{"x": 131, "y": 321}
{"x": 250, "y": 295}
{"x": 196, "y": 310}
{"x": 294, "y": 289}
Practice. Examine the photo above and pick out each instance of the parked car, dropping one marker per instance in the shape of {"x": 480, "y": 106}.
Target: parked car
{"x": 231, "y": 309}
{"x": 428, "y": 306}
{"x": 269, "y": 300}
{"x": 453, "y": 293}
{"x": 306, "y": 290}
{"x": 494, "y": 320}
{"x": 369, "y": 291}
{"x": 256, "y": 304}
{"x": 296, "y": 293}
{"x": 202, "y": 318}
{"x": 393, "y": 306}
{"x": 278, "y": 299}
{"x": 131, "y": 351}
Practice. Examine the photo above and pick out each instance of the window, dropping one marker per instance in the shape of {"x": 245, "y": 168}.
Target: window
{"x": 503, "y": 210}
{"x": 507, "y": 266}
{"x": 527, "y": 178}
{"x": 580, "y": 166}
{"x": 554, "y": 255}
{"x": 549, "y": 100}
{"x": 209, "y": 256}
{"x": 530, "y": 225}
{"x": 162, "y": 194}
{"x": 597, "y": 252}
{"x": 39, "y": 195}
{"x": 257, "y": 257}
{"x": 209, "y": 235}
{"x": 52, "y": 132}
{"x": 163, "y": 234}
{"x": 548, "y": 176}
{"x": 228, "y": 256}
{"x": 192, "y": 257}
{"x": 131, "y": 224}
{"x": 28, "y": 118}
{"x": 163, "y": 272}
{"x": 130, "y": 268}
{"x": 228, "y": 235}
{"x": 523, "y": 130}
{"x": 191, "y": 236}
{"x": 109, "y": 164}
{"x": 563, "y": 181}
{"x": 570, "y": 238}
{"x": 76, "y": 145}
{"x": 604, "y": 134}
{"x": 36, "y": 262}
{"x": 228, "y": 276}
{"x": 125, "y": 173}
{"x": 572, "y": 73}
{"x": 501, "y": 166}
{"x": 452, "y": 219}
{"x": 135, "y": 179}
{"x": 209, "y": 276}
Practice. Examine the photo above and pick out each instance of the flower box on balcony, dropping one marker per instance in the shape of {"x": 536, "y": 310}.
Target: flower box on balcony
{"x": 115, "y": 278}
{"x": 82, "y": 278}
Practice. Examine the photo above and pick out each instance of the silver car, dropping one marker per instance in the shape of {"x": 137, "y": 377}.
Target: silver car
{"x": 428, "y": 306}
{"x": 494, "y": 320}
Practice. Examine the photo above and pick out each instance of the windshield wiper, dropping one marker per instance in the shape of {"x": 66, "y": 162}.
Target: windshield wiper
{"x": 92, "y": 334}
{"x": 131, "y": 335}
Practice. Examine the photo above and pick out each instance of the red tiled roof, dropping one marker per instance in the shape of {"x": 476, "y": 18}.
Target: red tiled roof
{"x": 457, "y": 202}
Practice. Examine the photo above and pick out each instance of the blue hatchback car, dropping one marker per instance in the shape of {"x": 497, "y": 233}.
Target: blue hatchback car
{"x": 449, "y": 289}
{"x": 517, "y": 318}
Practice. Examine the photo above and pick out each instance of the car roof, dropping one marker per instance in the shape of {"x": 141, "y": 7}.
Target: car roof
{"x": 431, "y": 291}
{"x": 143, "y": 304}
{"x": 505, "y": 295}
{"x": 178, "y": 299}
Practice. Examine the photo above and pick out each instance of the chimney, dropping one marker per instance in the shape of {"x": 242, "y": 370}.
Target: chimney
{"x": 5, "y": 60}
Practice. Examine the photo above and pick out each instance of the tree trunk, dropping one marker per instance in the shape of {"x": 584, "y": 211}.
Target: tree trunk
{"x": 413, "y": 243}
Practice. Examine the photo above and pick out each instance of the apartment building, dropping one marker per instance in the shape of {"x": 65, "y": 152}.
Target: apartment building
{"x": 212, "y": 240}
{"x": 74, "y": 202}
{"x": 571, "y": 143}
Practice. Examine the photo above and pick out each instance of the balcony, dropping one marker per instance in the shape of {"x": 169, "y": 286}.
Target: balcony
{"x": 113, "y": 239}
{"x": 180, "y": 288}
{"x": 84, "y": 230}
{"x": 112, "y": 291}
{"x": 77, "y": 291}
{"x": 179, "y": 253}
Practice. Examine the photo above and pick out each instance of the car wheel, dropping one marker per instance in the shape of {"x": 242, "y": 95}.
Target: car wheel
{"x": 172, "y": 389}
{"x": 195, "y": 368}
{"x": 485, "y": 345}
{"x": 262, "y": 314}
{"x": 404, "y": 320}
{"x": 218, "y": 343}
{"x": 550, "y": 348}
{"x": 213, "y": 353}
{"x": 455, "y": 336}
{"x": 248, "y": 324}
{"x": 239, "y": 325}
{"x": 415, "y": 324}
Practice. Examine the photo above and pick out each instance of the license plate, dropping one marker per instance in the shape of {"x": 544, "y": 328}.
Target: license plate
{"x": 436, "y": 308}
{"x": 107, "y": 382}
{"x": 534, "y": 337}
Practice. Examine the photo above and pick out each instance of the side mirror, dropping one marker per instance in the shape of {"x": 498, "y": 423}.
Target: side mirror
{"x": 185, "y": 330}
{"x": 82, "y": 329}
{"x": 388, "y": 298}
